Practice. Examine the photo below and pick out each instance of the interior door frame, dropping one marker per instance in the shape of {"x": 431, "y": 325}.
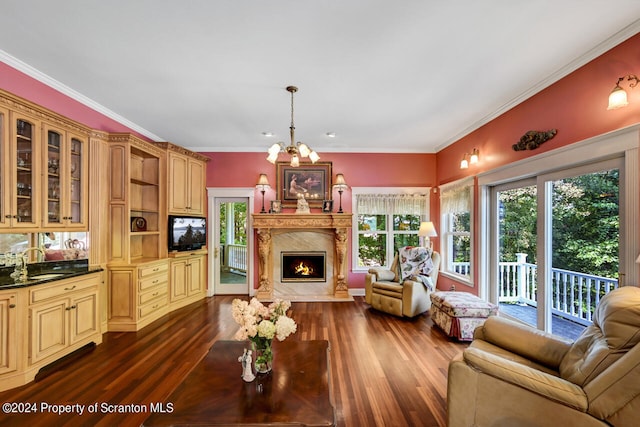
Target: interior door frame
{"x": 214, "y": 193}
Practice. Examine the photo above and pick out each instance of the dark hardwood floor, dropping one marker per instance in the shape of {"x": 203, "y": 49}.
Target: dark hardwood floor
{"x": 385, "y": 371}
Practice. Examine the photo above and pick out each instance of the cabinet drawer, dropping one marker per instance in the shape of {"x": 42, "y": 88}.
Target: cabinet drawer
{"x": 145, "y": 297}
{"x": 44, "y": 292}
{"x": 153, "y": 281}
{"x": 153, "y": 307}
{"x": 153, "y": 269}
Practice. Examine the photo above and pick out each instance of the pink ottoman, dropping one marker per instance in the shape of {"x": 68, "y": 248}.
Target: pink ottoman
{"x": 459, "y": 313}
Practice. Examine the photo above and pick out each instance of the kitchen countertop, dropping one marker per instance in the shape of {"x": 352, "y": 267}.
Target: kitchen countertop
{"x": 46, "y": 272}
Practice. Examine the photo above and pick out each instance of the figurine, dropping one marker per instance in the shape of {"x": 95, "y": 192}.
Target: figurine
{"x": 247, "y": 359}
{"x": 303, "y": 206}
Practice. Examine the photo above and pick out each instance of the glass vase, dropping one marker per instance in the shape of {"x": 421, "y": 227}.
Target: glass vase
{"x": 262, "y": 356}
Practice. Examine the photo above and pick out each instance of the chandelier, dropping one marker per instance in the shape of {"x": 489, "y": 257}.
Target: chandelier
{"x": 294, "y": 149}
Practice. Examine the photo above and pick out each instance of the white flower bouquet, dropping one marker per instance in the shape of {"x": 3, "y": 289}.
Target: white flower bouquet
{"x": 261, "y": 324}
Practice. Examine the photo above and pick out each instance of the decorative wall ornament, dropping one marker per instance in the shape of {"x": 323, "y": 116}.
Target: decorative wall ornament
{"x": 533, "y": 139}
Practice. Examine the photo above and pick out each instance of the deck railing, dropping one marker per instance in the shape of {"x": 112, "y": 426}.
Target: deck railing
{"x": 234, "y": 258}
{"x": 574, "y": 295}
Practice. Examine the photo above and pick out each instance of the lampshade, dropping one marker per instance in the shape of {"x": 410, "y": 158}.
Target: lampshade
{"x": 474, "y": 157}
{"x": 427, "y": 229}
{"x": 263, "y": 182}
{"x": 617, "y": 98}
{"x": 340, "y": 183}
{"x": 464, "y": 164}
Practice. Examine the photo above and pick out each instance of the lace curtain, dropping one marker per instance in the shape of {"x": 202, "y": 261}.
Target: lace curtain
{"x": 400, "y": 204}
{"x": 456, "y": 198}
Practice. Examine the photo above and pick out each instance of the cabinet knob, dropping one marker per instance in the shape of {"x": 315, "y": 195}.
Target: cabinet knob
{"x": 71, "y": 288}
{"x": 12, "y": 306}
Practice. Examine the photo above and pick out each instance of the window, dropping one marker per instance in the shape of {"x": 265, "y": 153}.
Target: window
{"x": 386, "y": 222}
{"x": 456, "y": 244}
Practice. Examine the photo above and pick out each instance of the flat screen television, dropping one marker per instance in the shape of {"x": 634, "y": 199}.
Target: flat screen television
{"x": 187, "y": 233}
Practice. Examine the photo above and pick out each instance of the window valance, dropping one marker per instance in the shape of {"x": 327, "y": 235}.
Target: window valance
{"x": 399, "y": 204}
{"x": 456, "y": 197}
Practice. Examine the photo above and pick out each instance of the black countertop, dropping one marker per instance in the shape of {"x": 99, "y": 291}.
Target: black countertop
{"x": 55, "y": 270}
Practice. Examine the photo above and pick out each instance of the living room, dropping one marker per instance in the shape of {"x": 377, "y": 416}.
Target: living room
{"x": 574, "y": 103}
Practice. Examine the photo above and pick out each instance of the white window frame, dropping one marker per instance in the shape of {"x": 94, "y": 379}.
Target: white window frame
{"x": 447, "y": 234}
{"x": 355, "y": 191}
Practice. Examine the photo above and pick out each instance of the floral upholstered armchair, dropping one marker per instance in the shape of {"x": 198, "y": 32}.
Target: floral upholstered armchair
{"x": 405, "y": 288}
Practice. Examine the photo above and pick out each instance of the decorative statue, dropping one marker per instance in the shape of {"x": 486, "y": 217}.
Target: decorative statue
{"x": 533, "y": 139}
{"x": 247, "y": 360}
{"x": 303, "y": 206}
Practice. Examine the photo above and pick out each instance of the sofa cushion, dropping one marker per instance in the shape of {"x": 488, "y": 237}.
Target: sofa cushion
{"x": 615, "y": 330}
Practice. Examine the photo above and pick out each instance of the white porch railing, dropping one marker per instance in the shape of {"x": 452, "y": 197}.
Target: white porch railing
{"x": 574, "y": 295}
{"x": 235, "y": 258}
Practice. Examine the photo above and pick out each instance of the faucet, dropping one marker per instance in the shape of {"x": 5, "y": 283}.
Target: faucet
{"x": 21, "y": 264}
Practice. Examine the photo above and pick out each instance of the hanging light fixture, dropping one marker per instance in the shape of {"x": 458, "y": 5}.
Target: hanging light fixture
{"x": 294, "y": 149}
{"x": 618, "y": 96}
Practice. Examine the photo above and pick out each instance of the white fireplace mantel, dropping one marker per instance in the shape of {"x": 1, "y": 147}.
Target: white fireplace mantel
{"x": 265, "y": 223}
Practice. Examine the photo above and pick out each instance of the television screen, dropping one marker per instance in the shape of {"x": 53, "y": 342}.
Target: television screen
{"x": 187, "y": 233}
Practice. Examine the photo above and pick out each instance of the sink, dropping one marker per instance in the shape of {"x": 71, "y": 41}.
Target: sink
{"x": 46, "y": 276}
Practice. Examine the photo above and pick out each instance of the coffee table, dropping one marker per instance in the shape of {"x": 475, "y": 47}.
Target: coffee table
{"x": 296, "y": 392}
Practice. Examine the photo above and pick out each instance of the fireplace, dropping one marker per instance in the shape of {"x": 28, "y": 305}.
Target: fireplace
{"x": 303, "y": 266}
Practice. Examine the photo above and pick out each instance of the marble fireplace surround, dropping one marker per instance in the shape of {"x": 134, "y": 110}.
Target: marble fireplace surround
{"x": 302, "y": 232}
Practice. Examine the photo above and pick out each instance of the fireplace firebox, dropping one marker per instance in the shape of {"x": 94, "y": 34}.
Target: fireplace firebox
{"x": 303, "y": 266}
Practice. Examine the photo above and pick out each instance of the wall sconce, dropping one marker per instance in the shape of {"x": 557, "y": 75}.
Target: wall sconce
{"x": 340, "y": 184}
{"x": 464, "y": 163}
{"x": 263, "y": 185}
{"x": 618, "y": 96}
{"x": 471, "y": 160}
{"x": 427, "y": 229}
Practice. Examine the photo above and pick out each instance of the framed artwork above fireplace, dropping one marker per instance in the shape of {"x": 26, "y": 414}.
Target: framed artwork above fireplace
{"x": 313, "y": 181}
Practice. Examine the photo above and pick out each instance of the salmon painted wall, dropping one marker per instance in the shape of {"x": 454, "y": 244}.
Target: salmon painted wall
{"x": 360, "y": 170}
{"x": 576, "y": 106}
{"x": 26, "y": 87}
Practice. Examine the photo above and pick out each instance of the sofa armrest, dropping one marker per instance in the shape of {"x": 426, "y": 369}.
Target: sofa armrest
{"x": 531, "y": 379}
{"x": 528, "y": 342}
{"x": 382, "y": 274}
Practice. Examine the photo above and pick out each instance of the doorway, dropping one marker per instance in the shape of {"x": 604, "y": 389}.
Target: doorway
{"x": 231, "y": 263}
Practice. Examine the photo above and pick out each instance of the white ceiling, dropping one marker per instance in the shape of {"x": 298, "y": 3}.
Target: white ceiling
{"x": 401, "y": 76}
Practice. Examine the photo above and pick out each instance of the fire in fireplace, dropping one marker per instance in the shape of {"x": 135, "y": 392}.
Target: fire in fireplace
{"x": 303, "y": 266}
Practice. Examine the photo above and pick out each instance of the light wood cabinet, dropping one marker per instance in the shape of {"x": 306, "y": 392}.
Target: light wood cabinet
{"x": 21, "y": 185}
{"x": 8, "y": 332}
{"x": 188, "y": 277}
{"x": 138, "y": 294}
{"x": 63, "y": 317}
{"x": 137, "y": 201}
{"x": 65, "y": 182}
{"x": 44, "y": 169}
{"x": 42, "y": 323}
{"x": 186, "y": 180}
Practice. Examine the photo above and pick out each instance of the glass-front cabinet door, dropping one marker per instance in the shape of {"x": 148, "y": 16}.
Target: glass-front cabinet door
{"x": 76, "y": 214}
{"x": 4, "y": 167}
{"x": 65, "y": 179}
{"x": 53, "y": 177}
{"x": 23, "y": 208}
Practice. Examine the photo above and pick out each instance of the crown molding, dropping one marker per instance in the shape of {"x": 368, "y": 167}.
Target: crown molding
{"x": 77, "y": 96}
{"x": 622, "y": 35}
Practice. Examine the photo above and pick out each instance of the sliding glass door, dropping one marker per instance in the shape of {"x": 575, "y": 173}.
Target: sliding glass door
{"x": 557, "y": 239}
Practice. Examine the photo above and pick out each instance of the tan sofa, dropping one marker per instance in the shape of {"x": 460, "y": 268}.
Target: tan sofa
{"x": 385, "y": 292}
{"x": 514, "y": 375}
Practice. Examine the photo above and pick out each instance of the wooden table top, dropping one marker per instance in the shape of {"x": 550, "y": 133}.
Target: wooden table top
{"x": 296, "y": 392}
